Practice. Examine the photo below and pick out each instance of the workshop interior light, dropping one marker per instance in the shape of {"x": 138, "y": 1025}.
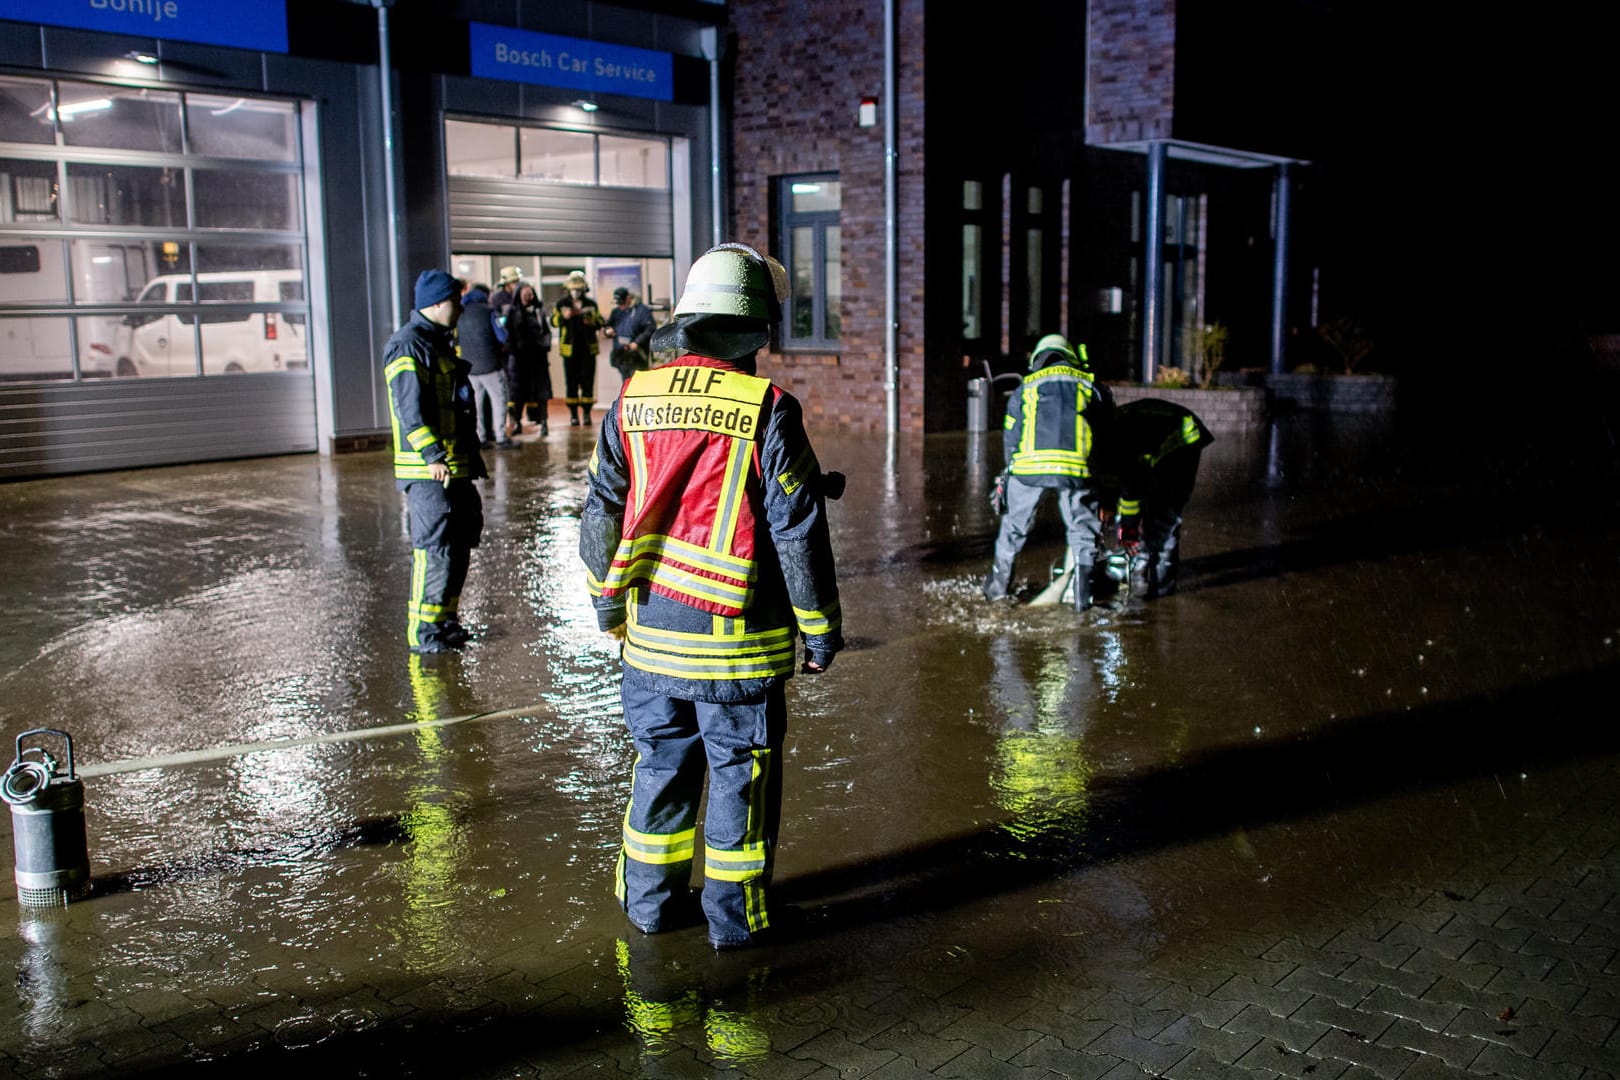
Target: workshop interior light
{"x": 73, "y": 108}
{"x": 588, "y": 106}
{"x": 806, "y": 189}
{"x": 141, "y": 57}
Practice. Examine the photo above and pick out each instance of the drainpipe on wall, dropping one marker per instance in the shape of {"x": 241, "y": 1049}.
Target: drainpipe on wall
{"x": 711, "y": 53}
{"x": 891, "y": 246}
{"x": 386, "y": 77}
{"x": 1279, "y": 269}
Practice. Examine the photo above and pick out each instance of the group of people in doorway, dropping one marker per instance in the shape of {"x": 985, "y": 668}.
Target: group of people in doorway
{"x": 1122, "y": 476}
{"x": 707, "y": 553}
{"x": 506, "y": 339}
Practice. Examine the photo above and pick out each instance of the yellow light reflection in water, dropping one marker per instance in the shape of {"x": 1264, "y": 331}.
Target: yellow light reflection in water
{"x": 1039, "y": 773}
{"x": 430, "y": 939}
{"x": 656, "y": 1008}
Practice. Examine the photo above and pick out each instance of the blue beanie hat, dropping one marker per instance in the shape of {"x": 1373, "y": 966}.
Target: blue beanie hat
{"x": 433, "y": 286}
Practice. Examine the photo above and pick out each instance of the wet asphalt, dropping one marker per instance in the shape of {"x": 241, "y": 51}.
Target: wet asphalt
{"x": 1023, "y": 842}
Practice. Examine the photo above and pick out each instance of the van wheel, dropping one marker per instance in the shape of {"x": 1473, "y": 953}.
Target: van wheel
{"x": 126, "y": 367}
{"x": 234, "y": 366}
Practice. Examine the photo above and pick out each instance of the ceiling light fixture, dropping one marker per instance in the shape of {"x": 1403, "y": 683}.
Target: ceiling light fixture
{"x": 141, "y": 57}
{"x": 588, "y": 106}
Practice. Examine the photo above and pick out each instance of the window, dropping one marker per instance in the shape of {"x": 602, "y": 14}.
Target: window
{"x": 554, "y": 155}
{"x": 239, "y": 127}
{"x": 812, "y": 242}
{"x": 562, "y": 157}
{"x": 480, "y": 149}
{"x": 178, "y": 218}
{"x": 1034, "y": 270}
{"x": 637, "y": 163}
{"x": 972, "y": 261}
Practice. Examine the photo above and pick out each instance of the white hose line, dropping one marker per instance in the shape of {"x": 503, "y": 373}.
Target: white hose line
{"x": 219, "y": 753}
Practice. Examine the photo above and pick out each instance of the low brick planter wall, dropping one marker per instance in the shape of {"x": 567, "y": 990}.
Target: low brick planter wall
{"x": 1235, "y": 408}
{"x": 1320, "y": 392}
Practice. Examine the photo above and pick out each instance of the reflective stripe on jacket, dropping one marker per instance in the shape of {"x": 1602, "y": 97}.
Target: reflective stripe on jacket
{"x": 705, "y": 532}
{"x": 1049, "y": 425}
{"x": 577, "y": 335}
{"x": 430, "y": 403}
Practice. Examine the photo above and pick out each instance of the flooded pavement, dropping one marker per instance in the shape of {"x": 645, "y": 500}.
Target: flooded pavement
{"x": 1344, "y": 806}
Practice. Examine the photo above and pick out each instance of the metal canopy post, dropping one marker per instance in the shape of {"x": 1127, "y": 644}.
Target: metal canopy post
{"x": 1279, "y": 268}
{"x": 1153, "y": 262}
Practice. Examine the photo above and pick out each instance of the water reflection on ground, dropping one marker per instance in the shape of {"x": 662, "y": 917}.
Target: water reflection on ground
{"x": 973, "y": 790}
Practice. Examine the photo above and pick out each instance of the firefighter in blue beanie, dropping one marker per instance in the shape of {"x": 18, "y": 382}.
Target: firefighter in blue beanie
{"x": 436, "y": 460}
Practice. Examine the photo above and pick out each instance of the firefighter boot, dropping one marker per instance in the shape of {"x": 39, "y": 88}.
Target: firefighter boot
{"x": 997, "y": 580}
{"x": 1082, "y": 588}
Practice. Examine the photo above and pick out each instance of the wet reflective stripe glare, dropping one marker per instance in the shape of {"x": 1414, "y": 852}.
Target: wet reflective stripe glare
{"x": 798, "y": 472}
{"x": 1029, "y": 460}
{"x": 410, "y": 464}
{"x": 1051, "y": 463}
{"x": 638, "y": 471}
{"x": 819, "y": 622}
{"x": 731, "y": 493}
{"x": 680, "y": 567}
{"x": 724, "y": 654}
{"x": 414, "y": 607}
{"x": 746, "y": 864}
{"x": 659, "y": 849}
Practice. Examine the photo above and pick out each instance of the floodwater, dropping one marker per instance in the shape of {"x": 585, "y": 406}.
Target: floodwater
{"x": 311, "y": 849}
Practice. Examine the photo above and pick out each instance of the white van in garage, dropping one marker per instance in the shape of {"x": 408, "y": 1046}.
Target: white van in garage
{"x": 164, "y": 343}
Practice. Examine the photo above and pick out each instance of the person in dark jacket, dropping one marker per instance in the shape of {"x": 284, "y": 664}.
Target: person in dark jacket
{"x": 528, "y": 360}
{"x": 482, "y": 342}
{"x": 436, "y": 460}
{"x": 705, "y": 542}
{"x": 1048, "y": 434}
{"x": 1152, "y": 456}
{"x": 630, "y": 327}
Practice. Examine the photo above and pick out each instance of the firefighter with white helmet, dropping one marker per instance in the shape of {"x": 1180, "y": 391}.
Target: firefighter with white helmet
{"x": 705, "y": 540}
{"x": 1047, "y": 436}
{"x": 578, "y": 319}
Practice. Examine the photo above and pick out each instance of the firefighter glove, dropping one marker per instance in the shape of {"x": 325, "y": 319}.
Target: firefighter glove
{"x": 998, "y": 495}
{"x": 1130, "y": 536}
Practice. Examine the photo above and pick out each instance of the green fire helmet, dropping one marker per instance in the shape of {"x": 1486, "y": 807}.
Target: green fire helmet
{"x": 1073, "y": 354}
{"x": 736, "y": 280}
{"x": 733, "y": 296}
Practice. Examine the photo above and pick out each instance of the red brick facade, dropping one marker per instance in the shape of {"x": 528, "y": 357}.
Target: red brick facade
{"x": 802, "y": 68}
{"x": 1132, "y": 69}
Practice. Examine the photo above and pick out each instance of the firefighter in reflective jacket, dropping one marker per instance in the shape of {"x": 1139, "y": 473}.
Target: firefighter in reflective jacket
{"x": 705, "y": 539}
{"x": 1049, "y": 429}
{"x": 1152, "y": 452}
{"x": 436, "y": 459}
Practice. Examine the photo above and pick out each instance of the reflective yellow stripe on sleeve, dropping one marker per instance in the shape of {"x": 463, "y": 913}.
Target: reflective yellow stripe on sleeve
{"x": 819, "y": 622}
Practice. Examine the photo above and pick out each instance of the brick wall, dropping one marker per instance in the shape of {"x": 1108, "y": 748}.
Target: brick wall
{"x": 1132, "y": 71}
{"x": 1240, "y": 408}
{"x": 801, "y": 69}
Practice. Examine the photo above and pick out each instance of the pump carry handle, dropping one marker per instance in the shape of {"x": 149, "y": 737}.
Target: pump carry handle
{"x": 49, "y": 731}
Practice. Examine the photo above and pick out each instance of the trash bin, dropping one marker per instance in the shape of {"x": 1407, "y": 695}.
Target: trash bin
{"x": 978, "y": 405}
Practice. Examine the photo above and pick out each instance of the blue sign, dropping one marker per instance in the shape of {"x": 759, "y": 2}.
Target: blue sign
{"x": 500, "y": 52}
{"x": 261, "y": 24}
